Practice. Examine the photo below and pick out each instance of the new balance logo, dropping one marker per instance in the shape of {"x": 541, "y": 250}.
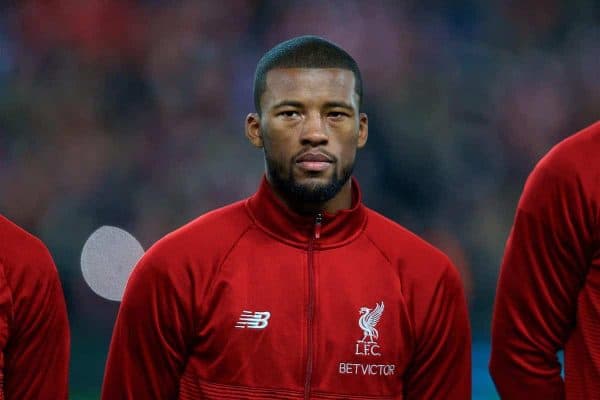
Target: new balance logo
{"x": 253, "y": 320}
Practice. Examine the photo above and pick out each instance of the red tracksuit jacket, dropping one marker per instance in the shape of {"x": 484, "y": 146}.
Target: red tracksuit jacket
{"x": 548, "y": 295}
{"x": 34, "y": 330}
{"x": 252, "y": 301}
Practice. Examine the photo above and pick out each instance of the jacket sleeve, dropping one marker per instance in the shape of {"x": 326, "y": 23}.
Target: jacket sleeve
{"x": 148, "y": 350}
{"x": 442, "y": 363}
{"x": 543, "y": 269}
{"x": 37, "y": 352}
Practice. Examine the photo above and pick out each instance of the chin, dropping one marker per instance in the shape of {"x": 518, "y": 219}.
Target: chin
{"x": 323, "y": 176}
{"x": 313, "y": 183}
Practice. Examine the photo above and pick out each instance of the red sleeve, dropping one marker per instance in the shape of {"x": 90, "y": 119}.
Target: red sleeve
{"x": 543, "y": 270}
{"x": 442, "y": 363}
{"x": 152, "y": 334}
{"x": 36, "y": 357}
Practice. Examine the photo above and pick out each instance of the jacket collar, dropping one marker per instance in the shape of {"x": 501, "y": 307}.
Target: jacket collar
{"x": 274, "y": 217}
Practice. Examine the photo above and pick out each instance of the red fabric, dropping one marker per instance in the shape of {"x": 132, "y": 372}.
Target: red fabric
{"x": 176, "y": 335}
{"x": 548, "y": 295}
{"x": 34, "y": 330}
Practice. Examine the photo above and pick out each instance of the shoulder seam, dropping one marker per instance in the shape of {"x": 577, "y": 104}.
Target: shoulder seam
{"x": 377, "y": 247}
{"x": 213, "y": 278}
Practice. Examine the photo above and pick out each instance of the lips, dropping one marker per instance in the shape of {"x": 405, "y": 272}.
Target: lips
{"x": 313, "y": 161}
{"x": 314, "y": 157}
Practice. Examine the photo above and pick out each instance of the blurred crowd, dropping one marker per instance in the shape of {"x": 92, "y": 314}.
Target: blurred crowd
{"x": 130, "y": 113}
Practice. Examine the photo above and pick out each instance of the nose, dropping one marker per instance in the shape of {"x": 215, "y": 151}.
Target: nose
{"x": 314, "y": 131}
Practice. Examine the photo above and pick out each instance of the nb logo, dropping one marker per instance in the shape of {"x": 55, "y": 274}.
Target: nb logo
{"x": 253, "y": 320}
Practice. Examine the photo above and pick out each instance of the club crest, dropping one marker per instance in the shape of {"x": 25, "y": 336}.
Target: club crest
{"x": 369, "y": 317}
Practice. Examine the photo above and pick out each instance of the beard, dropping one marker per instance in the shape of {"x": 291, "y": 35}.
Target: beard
{"x": 314, "y": 194}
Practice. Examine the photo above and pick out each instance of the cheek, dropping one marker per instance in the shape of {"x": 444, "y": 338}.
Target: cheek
{"x": 278, "y": 149}
{"x": 279, "y": 134}
{"x": 348, "y": 144}
{"x": 348, "y": 157}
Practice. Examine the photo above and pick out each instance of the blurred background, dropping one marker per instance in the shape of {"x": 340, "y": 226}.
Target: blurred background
{"x": 130, "y": 113}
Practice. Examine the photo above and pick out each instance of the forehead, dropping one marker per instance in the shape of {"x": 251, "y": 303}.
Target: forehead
{"x": 309, "y": 84}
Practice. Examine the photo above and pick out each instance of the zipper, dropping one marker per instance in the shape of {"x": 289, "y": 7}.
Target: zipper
{"x": 318, "y": 223}
{"x": 311, "y": 303}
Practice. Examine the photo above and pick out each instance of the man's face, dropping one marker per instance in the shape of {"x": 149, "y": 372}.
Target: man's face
{"x": 310, "y": 128}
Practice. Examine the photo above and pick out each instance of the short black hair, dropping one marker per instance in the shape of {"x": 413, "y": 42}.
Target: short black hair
{"x": 304, "y": 52}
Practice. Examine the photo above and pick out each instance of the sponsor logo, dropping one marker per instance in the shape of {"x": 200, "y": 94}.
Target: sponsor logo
{"x": 367, "y": 369}
{"x": 253, "y": 320}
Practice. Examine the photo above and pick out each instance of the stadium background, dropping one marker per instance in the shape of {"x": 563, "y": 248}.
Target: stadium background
{"x": 130, "y": 113}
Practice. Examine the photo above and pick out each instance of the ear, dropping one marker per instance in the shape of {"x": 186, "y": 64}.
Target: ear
{"x": 363, "y": 130}
{"x": 253, "y": 132}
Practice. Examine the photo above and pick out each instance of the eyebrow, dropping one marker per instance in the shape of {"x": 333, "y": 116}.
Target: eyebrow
{"x": 341, "y": 104}
{"x": 329, "y": 104}
{"x": 289, "y": 103}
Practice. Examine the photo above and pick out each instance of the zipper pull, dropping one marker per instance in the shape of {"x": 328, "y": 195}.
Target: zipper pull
{"x": 318, "y": 223}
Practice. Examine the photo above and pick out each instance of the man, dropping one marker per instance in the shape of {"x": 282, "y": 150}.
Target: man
{"x": 34, "y": 330}
{"x": 548, "y": 296}
{"x": 300, "y": 291}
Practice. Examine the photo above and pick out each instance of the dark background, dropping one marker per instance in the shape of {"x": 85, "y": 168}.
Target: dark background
{"x": 130, "y": 113}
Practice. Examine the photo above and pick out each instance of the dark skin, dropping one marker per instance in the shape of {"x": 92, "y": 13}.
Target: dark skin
{"x": 310, "y": 128}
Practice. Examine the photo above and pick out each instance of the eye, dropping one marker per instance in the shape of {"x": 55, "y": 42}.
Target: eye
{"x": 338, "y": 115}
{"x": 289, "y": 114}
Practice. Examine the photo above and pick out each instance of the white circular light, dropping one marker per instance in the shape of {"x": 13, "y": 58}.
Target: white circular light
{"x": 107, "y": 259}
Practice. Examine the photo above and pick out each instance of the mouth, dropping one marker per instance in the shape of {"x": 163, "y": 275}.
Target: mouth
{"x": 314, "y": 161}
